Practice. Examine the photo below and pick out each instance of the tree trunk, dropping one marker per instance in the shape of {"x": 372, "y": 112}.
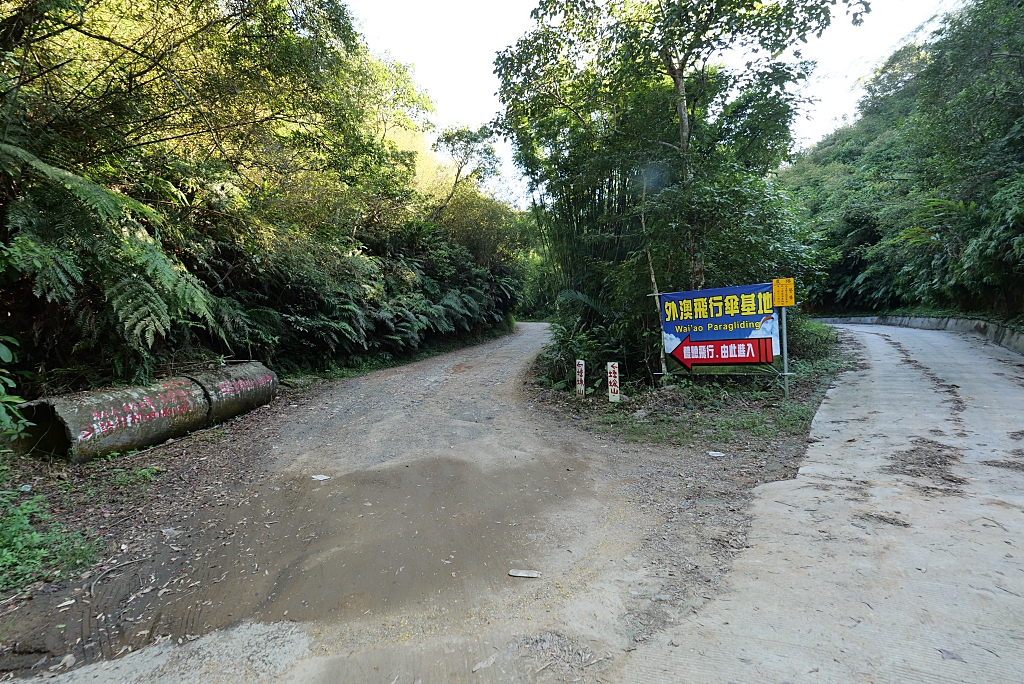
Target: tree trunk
{"x": 8, "y": 194}
{"x": 678, "y": 74}
{"x": 682, "y": 111}
{"x": 696, "y": 261}
{"x": 657, "y": 306}
{"x": 676, "y": 69}
{"x": 654, "y": 281}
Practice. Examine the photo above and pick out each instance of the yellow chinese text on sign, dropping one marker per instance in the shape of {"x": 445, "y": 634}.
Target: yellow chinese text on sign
{"x": 784, "y": 292}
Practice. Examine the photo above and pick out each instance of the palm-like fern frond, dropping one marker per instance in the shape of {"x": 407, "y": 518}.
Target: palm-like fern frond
{"x": 56, "y": 272}
{"x": 108, "y": 204}
{"x": 141, "y": 310}
{"x": 576, "y": 297}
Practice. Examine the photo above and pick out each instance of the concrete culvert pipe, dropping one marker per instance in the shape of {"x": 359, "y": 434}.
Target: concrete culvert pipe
{"x": 236, "y": 389}
{"x": 84, "y": 426}
{"x": 91, "y": 424}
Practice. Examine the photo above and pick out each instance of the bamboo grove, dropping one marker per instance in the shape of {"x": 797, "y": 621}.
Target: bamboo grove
{"x": 652, "y": 159}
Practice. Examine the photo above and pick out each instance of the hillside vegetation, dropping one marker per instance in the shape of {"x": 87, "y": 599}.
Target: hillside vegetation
{"x": 200, "y": 179}
{"x": 659, "y": 167}
{"x": 920, "y": 202}
{"x": 247, "y": 179}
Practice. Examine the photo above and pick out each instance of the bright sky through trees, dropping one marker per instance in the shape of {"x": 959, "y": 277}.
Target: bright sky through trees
{"x": 846, "y": 54}
{"x": 452, "y": 43}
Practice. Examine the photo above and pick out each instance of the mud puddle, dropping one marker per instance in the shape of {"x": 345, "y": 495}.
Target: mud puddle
{"x": 432, "y": 530}
{"x": 426, "y": 533}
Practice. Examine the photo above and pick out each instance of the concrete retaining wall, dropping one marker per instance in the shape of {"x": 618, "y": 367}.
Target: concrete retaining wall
{"x": 993, "y": 332}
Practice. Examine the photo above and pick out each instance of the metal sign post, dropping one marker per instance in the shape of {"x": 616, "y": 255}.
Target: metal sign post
{"x": 784, "y": 296}
{"x": 785, "y": 355}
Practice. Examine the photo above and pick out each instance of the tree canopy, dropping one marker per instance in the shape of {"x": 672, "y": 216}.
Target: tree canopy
{"x": 650, "y": 157}
{"x": 920, "y": 202}
{"x": 246, "y": 178}
{"x": 180, "y": 181}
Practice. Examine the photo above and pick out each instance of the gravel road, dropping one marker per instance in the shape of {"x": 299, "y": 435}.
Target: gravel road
{"x": 443, "y": 477}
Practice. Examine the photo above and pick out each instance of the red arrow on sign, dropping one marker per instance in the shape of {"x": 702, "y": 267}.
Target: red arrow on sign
{"x": 721, "y": 352}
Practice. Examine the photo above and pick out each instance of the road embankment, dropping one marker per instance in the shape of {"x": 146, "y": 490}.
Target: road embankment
{"x": 994, "y": 332}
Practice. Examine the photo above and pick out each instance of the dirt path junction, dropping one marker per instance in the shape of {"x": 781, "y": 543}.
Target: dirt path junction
{"x": 378, "y": 544}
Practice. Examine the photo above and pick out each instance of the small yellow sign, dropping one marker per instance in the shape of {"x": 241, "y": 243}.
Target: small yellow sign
{"x": 783, "y": 292}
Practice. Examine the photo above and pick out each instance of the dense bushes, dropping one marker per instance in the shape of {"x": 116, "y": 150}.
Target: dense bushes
{"x": 920, "y": 202}
{"x": 221, "y": 178}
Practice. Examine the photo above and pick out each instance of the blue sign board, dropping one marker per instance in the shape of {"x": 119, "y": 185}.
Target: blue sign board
{"x": 726, "y": 313}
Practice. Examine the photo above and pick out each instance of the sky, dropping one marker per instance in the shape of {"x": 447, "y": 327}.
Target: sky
{"x": 451, "y": 45}
{"x": 847, "y": 54}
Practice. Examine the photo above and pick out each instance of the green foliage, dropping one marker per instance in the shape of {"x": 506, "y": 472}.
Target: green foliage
{"x": 650, "y": 160}
{"x": 793, "y": 418}
{"x": 133, "y": 478}
{"x": 472, "y": 155}
{"x": 808, "y": 339}
{"x": 211, "y": 179}
{"x": 919, "y": 202}
{"x": 32, "y": 545}
{"x": 12, "y": 422}
{"x": 593, "y": 344}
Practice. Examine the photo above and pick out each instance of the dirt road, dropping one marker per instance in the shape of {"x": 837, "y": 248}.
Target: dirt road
{"x": 893, "y": 557}
{"x": 442, "y": 478}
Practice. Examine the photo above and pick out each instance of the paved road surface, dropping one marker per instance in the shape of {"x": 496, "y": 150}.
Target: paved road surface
{"x": 856, "y": 574}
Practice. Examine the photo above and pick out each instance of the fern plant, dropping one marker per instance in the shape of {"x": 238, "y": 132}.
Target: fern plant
{"x": 12, "y": 422}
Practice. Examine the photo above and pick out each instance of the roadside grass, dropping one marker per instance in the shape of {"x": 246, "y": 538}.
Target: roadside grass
{"x": 33, "y": 545}
{"x": 132, "y": 478}
{"x": 716, "y": 410}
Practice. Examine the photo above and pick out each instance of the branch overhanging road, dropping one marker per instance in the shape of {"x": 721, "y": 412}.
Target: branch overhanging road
{"x": 893, "y": 557}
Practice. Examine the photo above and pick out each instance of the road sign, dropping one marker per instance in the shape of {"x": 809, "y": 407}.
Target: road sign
{"x": 723, "y": 352}
{"x": 732, "y": 314}
{"x": 613, "y": 381}
{"x": 784, "y": 292}
{"x": 581, "y": 376}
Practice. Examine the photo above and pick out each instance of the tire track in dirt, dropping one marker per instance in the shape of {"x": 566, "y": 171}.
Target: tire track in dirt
{"x": 443, "y": 475}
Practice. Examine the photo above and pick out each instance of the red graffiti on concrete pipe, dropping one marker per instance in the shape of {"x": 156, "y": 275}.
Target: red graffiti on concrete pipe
{"x": 176, "y": 401}
{"x": 230, "y": 387}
